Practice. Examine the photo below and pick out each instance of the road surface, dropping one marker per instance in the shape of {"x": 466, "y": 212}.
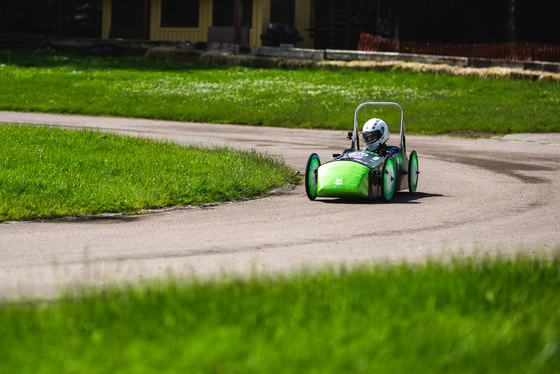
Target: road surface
{"x": 474, "y": 196}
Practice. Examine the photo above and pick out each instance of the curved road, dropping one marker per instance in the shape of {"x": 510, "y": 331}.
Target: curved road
{"x": 497, "y": 195}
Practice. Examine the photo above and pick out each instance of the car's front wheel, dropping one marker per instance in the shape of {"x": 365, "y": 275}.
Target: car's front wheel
{"x": 413, "y": 172}
{"x": 389, "y": 180}
{"x": 311, "y": 170}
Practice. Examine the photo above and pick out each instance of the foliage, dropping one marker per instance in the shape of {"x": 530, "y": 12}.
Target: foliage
{"x": 80, "y": 18}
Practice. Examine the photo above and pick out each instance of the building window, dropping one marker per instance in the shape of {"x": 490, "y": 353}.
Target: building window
{"x": 179, "y": 13}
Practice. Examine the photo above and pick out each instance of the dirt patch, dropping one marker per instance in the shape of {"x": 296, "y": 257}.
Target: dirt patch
{"x": 498, "y": 163}
{"x": 469, "y": 134}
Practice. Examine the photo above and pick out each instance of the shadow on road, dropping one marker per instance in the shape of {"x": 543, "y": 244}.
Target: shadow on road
{"x": 103, "y": 219}
{"x": 399, "y": 198}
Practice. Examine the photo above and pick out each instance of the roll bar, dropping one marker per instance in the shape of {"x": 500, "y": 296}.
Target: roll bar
{"x": 355, "y": 137}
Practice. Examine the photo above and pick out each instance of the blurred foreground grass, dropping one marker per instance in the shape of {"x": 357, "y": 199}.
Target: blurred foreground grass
{"x": 481, "y": 315}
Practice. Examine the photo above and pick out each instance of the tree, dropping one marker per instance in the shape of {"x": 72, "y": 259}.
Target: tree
{"x": 80, "y": 18}
{"x": 511, "y": 20}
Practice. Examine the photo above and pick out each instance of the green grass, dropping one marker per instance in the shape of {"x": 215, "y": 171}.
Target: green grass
{"x": 47, "y": 172}
{"x": 482, "y": 315}
{"x": 139, "y": 87}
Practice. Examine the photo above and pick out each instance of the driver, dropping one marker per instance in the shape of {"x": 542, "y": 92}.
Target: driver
{"x": 375, "y": 134}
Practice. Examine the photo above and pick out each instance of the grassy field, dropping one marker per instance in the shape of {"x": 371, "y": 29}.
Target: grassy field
{"x": 484, "y": 315}
{"x": 140, "y": 87}
{"x": 47, "y": 172}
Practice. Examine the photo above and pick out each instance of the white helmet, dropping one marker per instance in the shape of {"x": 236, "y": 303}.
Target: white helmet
{"x": 375, "y": 132}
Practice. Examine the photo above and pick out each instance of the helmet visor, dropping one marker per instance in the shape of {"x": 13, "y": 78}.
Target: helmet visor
{"x": 371, "y": 136}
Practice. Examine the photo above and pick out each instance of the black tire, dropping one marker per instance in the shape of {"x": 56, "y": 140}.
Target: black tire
{"x": 313, "y": 163}
{"x": 389, "y": 178}
{"x": 413, "y": 172}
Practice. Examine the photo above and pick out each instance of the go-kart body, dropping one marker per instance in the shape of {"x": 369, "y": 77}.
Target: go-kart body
{"x": 362, "y": 174}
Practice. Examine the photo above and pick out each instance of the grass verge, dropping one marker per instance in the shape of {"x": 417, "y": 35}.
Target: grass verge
{"x": 140, "y": 87}
{"x": 47, "y": 172}
{"x": 481, "y": 315}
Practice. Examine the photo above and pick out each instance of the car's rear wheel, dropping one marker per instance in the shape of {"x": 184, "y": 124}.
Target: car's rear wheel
{"x": 389, "y": 179}
{"x": 313, "y": 163}
{"x": 413, "y": 172}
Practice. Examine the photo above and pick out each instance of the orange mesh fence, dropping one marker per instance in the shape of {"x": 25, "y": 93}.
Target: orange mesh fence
{"x": 523, "y": 51}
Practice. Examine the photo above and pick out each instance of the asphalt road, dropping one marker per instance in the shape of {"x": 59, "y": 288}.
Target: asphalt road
{"x": 474, "y": 196}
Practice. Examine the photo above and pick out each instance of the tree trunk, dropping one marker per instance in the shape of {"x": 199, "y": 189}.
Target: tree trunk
{"x": 237, "y": 14}
{"x": 511, "y": 27}
{"x": 396, "y": 22}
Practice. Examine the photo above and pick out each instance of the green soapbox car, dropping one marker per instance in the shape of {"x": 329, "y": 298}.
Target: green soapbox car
{"x": 362, "y": 174}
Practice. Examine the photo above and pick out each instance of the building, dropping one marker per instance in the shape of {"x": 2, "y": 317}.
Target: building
{"x": 225, "y": 21}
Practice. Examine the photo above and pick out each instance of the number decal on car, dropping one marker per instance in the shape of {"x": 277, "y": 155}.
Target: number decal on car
{"x": 357, "y": 154}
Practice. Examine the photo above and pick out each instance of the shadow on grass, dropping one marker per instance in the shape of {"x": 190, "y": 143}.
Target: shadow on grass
{"x": 44, "y": 58}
